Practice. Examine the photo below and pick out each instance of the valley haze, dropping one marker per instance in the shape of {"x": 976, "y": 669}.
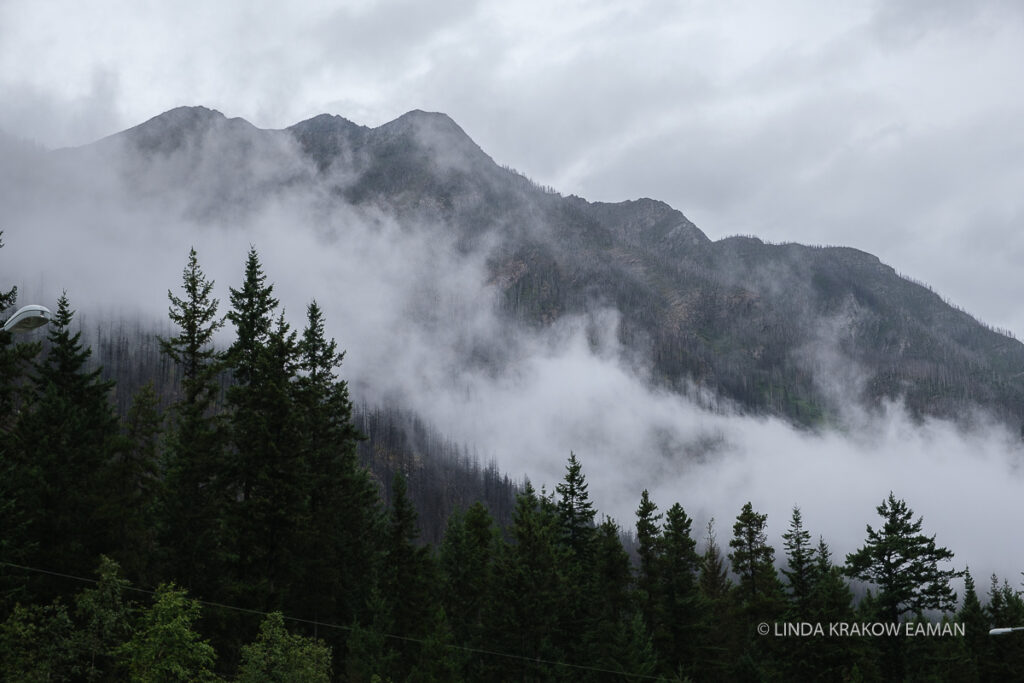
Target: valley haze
{"x": 419, "y": 299}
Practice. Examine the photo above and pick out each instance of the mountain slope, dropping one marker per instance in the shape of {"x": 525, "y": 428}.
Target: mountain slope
{"x": 782, "y": 329}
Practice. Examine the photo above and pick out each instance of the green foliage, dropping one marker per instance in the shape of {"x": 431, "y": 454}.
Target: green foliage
{"x": 190, "y": 505}
{"x": 104, "y": 622}
{"x": 904, "y": 564}
{"x": 68, "y": 434}
{"x": 281, "y": 657}
{"x": 165, "y": 647}
{"x": 799, "y": 572}
{"x": 753, "y": 560}
{"x": 36, "y": 644}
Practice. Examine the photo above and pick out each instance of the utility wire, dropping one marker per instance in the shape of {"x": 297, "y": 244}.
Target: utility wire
{"x": 495, "y": 653}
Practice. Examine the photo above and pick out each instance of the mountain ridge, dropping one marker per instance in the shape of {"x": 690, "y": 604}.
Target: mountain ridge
{"x": 748, "y": 319}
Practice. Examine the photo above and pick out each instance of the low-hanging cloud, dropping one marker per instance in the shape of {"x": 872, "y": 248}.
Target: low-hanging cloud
{"x": 421, "y": 322}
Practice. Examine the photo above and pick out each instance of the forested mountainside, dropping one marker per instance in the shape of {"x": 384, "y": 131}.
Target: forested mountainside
{"x": 783, "y": 329}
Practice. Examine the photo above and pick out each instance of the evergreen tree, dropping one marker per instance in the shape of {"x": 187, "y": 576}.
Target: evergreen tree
{"x": 800, "y": 570}
{"x": 976, "y": 625}
{"x": 753, "y": 560}
{"x": 190, "y": 507}
{"x": 409, "y": 578}
{"x": 575, "y": 511}
{"x": 467, "y": 568}
{"x": 529, "y": 607}
{"x": 682, "y": 609}
{"x": 648, "y": 536}
{"x": 262, "y": 483}
{"x": 1006, "y": 652}
{"x": 252, "y": 308}
{"x": 759, "y": 593}
{"x": 135, "y": 486}
{"x": 575, "y": 515}
{"x": 720, "y": 638}
{"x": 610, "y": 637}
{"x": 904, "y": 564}
{"x": 340, "y": 532}
{"x": 68, "y": 435}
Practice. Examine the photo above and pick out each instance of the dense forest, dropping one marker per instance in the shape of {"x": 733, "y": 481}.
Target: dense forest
{"x": 228, "y": 514}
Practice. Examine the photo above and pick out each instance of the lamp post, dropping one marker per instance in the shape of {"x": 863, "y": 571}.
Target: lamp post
{"x": 1005, "y": 629}
{"x": 28, "y": 318}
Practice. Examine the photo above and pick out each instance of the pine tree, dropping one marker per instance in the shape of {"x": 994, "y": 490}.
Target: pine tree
{"x": 904, "y": 564}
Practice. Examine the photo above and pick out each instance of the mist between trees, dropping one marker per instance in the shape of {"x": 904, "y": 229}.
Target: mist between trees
{"x": 275, "y": 532}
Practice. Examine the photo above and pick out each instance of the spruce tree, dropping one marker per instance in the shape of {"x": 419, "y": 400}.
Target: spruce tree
{"x": 682, "y": 609}
{"x": 799, "y": 571}
{"x": 575, "y": 511}
{"x": 648, "y": 536}
{"x": 342, "y": 518}
{"x": 261, "y": 481}
{"x": 190, "y": 506}
{"x": 753, "y": 560}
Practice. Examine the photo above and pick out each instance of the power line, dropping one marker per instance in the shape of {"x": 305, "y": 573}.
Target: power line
{"x": 311, "y": 622}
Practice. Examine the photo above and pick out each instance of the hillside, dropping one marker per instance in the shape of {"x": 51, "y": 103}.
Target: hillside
{"x": 783, "y": 329}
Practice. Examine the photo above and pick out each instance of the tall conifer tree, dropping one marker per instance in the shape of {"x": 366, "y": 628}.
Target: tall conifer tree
{"x": 191, "y": 508}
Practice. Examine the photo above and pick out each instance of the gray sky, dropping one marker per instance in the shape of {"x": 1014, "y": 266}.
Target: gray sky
{"x": 897, "y": 131}
{"x": 891, "y": 127}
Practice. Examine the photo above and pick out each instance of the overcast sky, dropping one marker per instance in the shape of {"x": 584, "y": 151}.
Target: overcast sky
{"x": 892, "y": 127}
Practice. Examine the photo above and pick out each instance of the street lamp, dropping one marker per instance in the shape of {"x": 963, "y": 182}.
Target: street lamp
{"x": 1005, "y": 629}
{"x": 28, "y": 318}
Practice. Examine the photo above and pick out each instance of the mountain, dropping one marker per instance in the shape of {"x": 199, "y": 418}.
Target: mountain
{"x": 783, "y": 329}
